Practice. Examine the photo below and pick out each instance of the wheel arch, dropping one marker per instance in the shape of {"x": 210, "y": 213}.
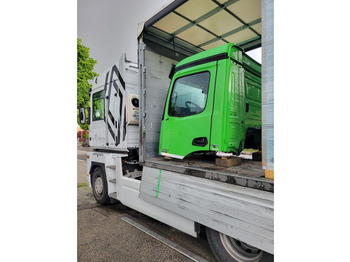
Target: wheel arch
{"x": 95, "y": 165}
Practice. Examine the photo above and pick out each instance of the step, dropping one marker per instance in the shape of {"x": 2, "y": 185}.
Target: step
{"x": 113, "y": 180}
{"x": 111, "y": 166}
{"x": 113, "y": 195}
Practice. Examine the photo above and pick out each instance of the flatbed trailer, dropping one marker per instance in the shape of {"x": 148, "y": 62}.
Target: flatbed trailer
{"x": 237, "y": 201}
{"x": 192, "y": 194}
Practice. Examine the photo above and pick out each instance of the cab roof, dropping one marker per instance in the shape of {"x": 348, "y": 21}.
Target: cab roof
{"x": 222, "y": 52}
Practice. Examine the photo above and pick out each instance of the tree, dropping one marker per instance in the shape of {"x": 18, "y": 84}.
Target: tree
{"x": 85, "y": 72}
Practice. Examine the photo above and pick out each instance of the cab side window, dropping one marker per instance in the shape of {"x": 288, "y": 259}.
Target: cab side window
{"x": 189, "y": 95}
{"x": 98, "y": 108}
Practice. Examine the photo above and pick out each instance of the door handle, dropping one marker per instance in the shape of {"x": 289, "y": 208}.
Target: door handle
{"x": 167, "y": 119}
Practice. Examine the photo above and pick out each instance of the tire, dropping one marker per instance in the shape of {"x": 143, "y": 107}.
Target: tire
{"x": 99, "y": 186}
{"x": 226, "y": 248}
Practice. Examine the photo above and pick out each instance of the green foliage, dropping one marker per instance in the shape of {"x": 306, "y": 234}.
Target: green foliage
{"x": 85, "y": 72}
{"x": 82, "y": 185}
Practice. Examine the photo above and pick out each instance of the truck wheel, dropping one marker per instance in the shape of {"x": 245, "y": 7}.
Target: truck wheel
{"x": 226, "y": 248}
{"x": 99, "y": 186}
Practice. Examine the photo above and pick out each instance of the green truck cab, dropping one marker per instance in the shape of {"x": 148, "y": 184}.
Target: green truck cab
{"x": 213, "y": 104}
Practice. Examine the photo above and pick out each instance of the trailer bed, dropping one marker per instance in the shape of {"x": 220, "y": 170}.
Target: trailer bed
{"x": 248, "y": 174}
{"x": 235, "y": 201}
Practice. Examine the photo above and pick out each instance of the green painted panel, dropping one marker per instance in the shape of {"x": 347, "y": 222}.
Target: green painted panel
{"x": 187, "y": 115}
{"x": 233, "y": 103}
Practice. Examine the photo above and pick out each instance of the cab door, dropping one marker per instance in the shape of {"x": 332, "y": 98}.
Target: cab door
{"x": 186, "y": 123}
{"x": 97, "y": 123}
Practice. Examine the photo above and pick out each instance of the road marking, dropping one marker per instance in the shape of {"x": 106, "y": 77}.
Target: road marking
{"x": 165, "y": 241}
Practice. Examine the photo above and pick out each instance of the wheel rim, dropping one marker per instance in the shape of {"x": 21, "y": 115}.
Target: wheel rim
{"x": 99, "y": 186}
{"x": 239, "y": 250}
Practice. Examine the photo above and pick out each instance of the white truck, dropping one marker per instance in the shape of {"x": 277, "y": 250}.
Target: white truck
{"x": 233, "y": 206}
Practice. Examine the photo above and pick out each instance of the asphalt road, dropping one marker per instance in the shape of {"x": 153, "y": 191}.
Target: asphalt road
{"x": 104, "y": 236}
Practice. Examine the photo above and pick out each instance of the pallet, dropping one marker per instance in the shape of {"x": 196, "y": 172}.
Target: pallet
{"x": 228, "y": 161}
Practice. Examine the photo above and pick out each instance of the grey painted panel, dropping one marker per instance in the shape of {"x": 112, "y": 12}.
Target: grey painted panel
{"x": 156, "y": 86}
{"x": 260, "y": 202}
{"x": 142, "y": 80}
{"x": 234, "y": 209}
{"x": 242, "y": 213}
{"x": 267, "y": 11}
{"x": 152, "y": 149}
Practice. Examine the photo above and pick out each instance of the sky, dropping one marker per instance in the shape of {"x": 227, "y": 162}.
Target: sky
{"x": 109, "y": 28}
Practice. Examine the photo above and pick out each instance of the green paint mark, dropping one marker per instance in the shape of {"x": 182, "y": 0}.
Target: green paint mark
{"x": 160, "y": 174}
